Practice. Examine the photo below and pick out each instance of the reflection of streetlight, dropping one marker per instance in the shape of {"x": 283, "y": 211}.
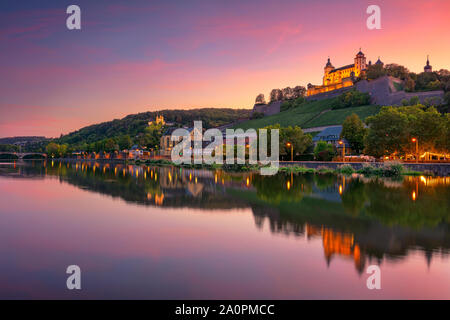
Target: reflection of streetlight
{"x": 291, "y": 145}
{"x": 343, "y": 149}
{"x": 417, "y": 148}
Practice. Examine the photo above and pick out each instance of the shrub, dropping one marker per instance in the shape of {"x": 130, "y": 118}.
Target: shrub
{"x": 353, "y": 98}
{"x": 393, "y": 169}
{"x": 324, "y": 169}
{"x": 324, "y": 151}
{"x": 447, "y": 97}
{"x": 367, "y": 170}
{"x": 257, "y": 115}
{"x": 238, "y": 167}
{"x": 414, "y": 101}
{"x": 345, "y": 169}
{"x": 159, "y": 162}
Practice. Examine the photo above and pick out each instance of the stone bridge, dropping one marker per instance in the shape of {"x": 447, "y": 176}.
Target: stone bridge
{"x": 20, "y": 155}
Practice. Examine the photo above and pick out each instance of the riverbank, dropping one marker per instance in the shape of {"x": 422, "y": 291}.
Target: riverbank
{"x": 437, "y": 169}
{"x": 374, "y": 168}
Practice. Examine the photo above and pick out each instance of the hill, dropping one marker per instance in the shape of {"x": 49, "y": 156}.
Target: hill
{"x": 135, "y": 124}
{"x": 22, "y": 140}
{"x": 311, "y": 114}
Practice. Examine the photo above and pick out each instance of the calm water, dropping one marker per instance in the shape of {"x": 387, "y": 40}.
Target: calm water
{"x": 149, "y": 232}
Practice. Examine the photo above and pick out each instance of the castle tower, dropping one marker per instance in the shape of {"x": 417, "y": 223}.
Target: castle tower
{"x": 379, "y": 62}
{"x": 360, "y": 62}
{"x": 428, "y": 68}
{"x": 328, "y": 67}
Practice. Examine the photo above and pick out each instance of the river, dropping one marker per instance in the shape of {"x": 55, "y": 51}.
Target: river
{"x": 176, "y": 233}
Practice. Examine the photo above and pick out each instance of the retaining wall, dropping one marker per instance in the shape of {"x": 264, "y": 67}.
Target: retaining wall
{"x": 439, "y": 169}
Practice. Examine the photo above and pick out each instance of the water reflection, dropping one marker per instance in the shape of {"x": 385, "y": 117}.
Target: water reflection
{"x": 359, "y": 218}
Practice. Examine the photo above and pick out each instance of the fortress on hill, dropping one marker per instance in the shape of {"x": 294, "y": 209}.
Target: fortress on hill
{"x": 385, "y": 90}
{"x": 337, "y": 78}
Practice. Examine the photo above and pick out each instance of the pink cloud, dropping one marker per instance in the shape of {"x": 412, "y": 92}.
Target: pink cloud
{"x": 35, "y": 24}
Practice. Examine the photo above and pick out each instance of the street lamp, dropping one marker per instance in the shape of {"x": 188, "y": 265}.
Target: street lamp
{"x": 343, "y": 149}
{"x": 417, "y": 148}
{"x": 292, "y": 150}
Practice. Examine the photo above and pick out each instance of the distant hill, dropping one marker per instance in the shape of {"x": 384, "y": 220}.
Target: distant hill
{"x": 311, "y": 114}
{"x": 22, "y": 140}
{"x": 134, "y": 124}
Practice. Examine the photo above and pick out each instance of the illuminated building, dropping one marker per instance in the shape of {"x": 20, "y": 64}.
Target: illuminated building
{"x": 337, "y": 78}
{"x": 159, "y": 120}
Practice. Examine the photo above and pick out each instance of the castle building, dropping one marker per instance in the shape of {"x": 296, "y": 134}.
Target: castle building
{"x": 336, "y": 78}
{"x": 428, "y": 68}
{"x": 159, "y": 120}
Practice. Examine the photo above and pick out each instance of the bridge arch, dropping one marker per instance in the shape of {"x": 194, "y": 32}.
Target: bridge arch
{"x": 22, "y": 155}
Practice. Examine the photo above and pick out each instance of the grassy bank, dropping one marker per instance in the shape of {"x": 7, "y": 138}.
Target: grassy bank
{"x": 387, "y": 170}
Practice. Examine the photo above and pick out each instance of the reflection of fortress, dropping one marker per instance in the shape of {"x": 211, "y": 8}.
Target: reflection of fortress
{"x": 337, "y": 243}
{"x": 316, "y": 216}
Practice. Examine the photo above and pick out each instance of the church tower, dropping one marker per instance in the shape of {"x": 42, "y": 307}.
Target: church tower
{"x": 427, "y": 68}
{"x": 360, "y": 62}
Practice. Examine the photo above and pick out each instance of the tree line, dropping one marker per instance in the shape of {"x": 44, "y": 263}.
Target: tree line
{"x": 413, "y": 82}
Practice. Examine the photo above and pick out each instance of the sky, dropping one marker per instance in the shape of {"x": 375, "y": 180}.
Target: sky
{"x": 133, "y": 56}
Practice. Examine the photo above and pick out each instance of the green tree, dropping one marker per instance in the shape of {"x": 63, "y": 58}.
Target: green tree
{"x": 269, "y": 133}
{"x": 63, "y": 150}
{"x": 354, "y": 132}
{"x": 426, "y": 81}
{"x": 324, "y": 151}
{"x": 414, "y": 101}
{"x": 388, "y": 132}
{"x": 397, "y": 71}
{"x": 151, "y": 136}
{"x": 426, "y": 125}
{"x": 391, "y": 130}
{"x": 296, "y": 137}
{"x": 111, "y": 145}
{"x": 447, "y": 97}
{"x": 443, "y": 142}
{"x": 410, "y": 84}
{"x": 375, "y": 71}
{"x": 353, "y": 98}
{"x": 125, "y": 142}
{"x": 52, "y": 149}
{"x": 434, "y": 85}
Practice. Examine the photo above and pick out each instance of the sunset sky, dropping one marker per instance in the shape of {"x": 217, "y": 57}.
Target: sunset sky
{"x": 135, "y": 56}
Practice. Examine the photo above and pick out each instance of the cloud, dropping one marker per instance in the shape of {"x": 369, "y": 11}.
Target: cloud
{"x": 30, "y": 24}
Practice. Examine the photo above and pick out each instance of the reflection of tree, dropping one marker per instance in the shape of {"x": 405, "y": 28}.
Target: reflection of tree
{"x": 384, "y": 221}
{"x": 280, "y": 188}
{"x": 324, "y": 181}
{"x": 142, "y": 185}
{"x": 369, "y": 239}
{"x": 354, "y": 196}
{"x": 396, "y": 207}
